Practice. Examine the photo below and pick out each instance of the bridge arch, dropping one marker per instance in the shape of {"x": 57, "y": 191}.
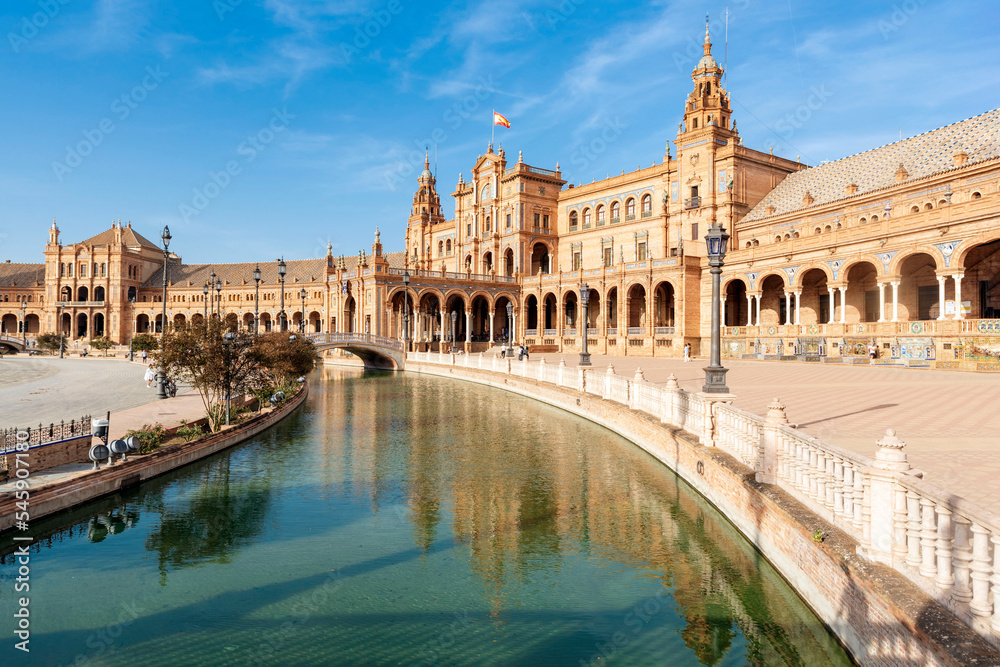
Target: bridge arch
{"x": 377, "y": 352}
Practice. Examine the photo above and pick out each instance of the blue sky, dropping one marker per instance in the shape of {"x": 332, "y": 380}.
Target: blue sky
{"x": 259, "y": 128}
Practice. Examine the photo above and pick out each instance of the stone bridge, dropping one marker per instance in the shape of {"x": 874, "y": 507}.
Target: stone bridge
{"x": 374, "y": 351}
{"x": 8, "y": 343}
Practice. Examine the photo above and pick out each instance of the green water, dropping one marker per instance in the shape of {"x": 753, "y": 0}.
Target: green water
{"x": 403, "y": 519}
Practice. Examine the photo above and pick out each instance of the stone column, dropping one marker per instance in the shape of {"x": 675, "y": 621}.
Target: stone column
{"x": 493, "y": 314}
{"x": 833, "y": 305}
{"x": 889, "y": 460}
{"x": 768, "y": 466}
{"x": 881, "y": 302}
{"x": 958, "y": 296}
{"x": 941, "y": 280}
{"x": 798, "y": 307}
{"x": 788, "y": 307}
{"x": 468, "y": 326}
{"x": 749, "y": 310}
{"x": 843, "y": 304}
{"x": 895, "y": 301}
{"x": 757, "y": 299}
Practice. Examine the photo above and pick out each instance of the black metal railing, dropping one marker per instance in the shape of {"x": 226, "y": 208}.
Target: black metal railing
{"x": 42, "y": 434}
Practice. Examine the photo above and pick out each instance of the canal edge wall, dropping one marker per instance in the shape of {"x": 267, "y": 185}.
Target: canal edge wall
{"x": 49, "y": 499}
{"x": 878, "y": 615}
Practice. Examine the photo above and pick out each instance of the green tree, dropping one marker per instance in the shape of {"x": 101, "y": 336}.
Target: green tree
{"x": 51, "y": 341}
{"x": 102, "y": 343}
{"x": 145, "y": 342}
{"x": 213, "y": 358}
{"x": 286, "y": 356}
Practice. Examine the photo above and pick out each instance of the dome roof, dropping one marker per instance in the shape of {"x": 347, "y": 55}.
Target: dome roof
{"x": 707, "y": 62}
{"x": 426, "y": 174}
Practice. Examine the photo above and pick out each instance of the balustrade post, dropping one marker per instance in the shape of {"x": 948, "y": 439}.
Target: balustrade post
{"x": 962, "y": 593}
{"x": 996, "y": 583}
{"x": 899, "y": 519}
{"x": 607, "y": 381}
{"x": 561, "y": 375}
{"x": 767, "y": 472}
{"x": 541, "y": 369}
{"x": 672, "y": 396}
{"x": 634, "y": 389}
{"x": 980, "y": 605}
{"x": 945, "y": 534}
{"x": 837, "y": 471}
{"x": 928, "y": 537}
{"x": 912, "y": 529}
{"x": 582, "y": 376}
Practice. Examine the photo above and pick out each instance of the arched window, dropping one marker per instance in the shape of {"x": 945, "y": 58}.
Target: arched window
{"x": 777, "y": 239}
{"x": 862, "y": 221}
{"x": 928, "y": 206}
{"x": 600, "y": 214}
{"x": 818, "y": 231}
{"x": 630, "y": 209}
{"x": 976, "y": 195}
{"x": 874, "y": 218}
{"x": 915, "y": 209}
{"x": 440, "y": 248}
{"x": 616, "y": 211}
{"x": 488, "y": 223}
{"x": 447, "y": 246}
{"x": 586, "y": 218}
{"x": 573, "y": 221}
{"x": 647, "y": 205}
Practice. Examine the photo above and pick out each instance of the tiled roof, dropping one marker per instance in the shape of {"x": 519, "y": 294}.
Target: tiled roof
{"x": 21, "y": 275}
{"x": 923, "y": 155}
{"x": 306, "y": 270}
{"x": 130, "y": 237}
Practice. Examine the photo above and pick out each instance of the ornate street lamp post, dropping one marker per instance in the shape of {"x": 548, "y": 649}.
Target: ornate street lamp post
{"x": 406, "y": 310}
{"x": 510, "y": 324}
{"x": 205, "y": 292}
{"x": 166, "y": 243}
{"x": 211, "y": 296}
{"x": 282, "y": 269}
{"x": 161, "y": 376}
{"x": 131, "y": 329}
{"x": 454, "y": 330}
{"x": 227, "y": 341}
{"x": 256, "y": 300}
{"x": 218, "y": 298}
{"x": 302, "y": 320}
{"x": 62, "y": 336}
{"x": 585, "y": 303}
{"x": 715, "y": 375}
{"x": 24, "y": 324}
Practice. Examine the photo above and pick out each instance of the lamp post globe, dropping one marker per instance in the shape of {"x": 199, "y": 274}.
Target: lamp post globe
{"x": 585, "y": 305}
{"x": 716, "y": 241}
{"x": 282, "y": 269}
{"x": 256, "y": 300}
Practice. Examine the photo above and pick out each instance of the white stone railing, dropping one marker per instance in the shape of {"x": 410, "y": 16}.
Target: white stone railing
{"x": 946, "y": 545}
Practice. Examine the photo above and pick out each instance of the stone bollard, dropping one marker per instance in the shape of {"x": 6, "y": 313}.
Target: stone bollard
{"x": 639, "y": 375}
{"x": 767, "y": 465}
{"x": 880, "y": 503}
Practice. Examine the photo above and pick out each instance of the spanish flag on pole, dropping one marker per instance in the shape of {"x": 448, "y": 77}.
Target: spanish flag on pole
{"x": 498, "y": 119}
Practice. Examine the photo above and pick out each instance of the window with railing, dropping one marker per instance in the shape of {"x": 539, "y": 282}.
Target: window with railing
{"x": 586, "y": 218}
{"x": 647, "y": 206}
{"x": 630, "y": 209}
{"x": 573, "y": 221}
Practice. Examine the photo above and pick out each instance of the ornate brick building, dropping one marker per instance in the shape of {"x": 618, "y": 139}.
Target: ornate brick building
{"x": 898, "y": 246}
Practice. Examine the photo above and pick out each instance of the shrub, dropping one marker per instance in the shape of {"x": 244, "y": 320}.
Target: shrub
{"x": 150, "y": 436}
{"x": 189, "y": 432}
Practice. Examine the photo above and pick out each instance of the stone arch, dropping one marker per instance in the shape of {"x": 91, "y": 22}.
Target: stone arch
{"x": 531, "y": 312}
{"x": 797, "y": 281}
{"x": 772, "y": 287}
{"x": 541, "y": 252}
{"x": 664, "y": 304}
{"x": 509, "y": 266}
{"x": 980, "y": 266}
{"x": 636, "y": 304}
{"x": 611, "y": 308}
{"x": 860, "y": 259}
{"x": 82, "y": 293}
{"x": 861, "y": 277}
{"x": 734, "y": 292}
{"x": 812, "y": 285}
{"x": 99, "y": 293}
{"x": 593, "y": 308}
{"x": 549, "y": 311}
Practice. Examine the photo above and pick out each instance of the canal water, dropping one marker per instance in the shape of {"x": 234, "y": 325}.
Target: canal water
{"x": 406, "y": 519}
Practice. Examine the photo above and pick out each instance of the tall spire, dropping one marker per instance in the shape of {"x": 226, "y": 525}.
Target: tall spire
{"x": 708, "y": 44}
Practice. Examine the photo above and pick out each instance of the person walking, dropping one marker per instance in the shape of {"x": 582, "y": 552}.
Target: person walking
{"x": 872, "y": 353}
{"x": 149, "y": 376}
{"x": 503, "y": 350}
{"x": 144, "y": 356}
{"x": 687, "y": 351}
